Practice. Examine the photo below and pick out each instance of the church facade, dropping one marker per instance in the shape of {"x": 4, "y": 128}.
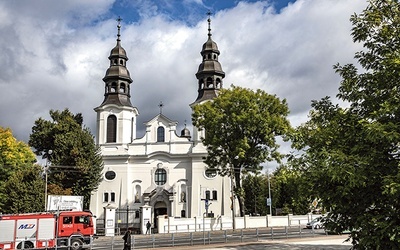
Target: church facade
{"x": 164, "y": 169}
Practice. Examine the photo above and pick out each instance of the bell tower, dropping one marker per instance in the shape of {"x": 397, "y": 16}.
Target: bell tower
{"x": 116, "y": 117}
{"x": 209, "y": 75}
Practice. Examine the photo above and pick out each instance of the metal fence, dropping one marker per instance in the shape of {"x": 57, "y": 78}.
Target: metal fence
{"x": 206, "y": 237}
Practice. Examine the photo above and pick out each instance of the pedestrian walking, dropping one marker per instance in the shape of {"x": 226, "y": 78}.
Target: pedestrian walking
{"x": 127, "y": 240}
{"x": 148, "y": 226}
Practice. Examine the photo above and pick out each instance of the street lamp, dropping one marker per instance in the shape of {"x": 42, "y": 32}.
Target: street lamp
{"x": 233, "y": 193}
{"x": 269, "y": 201}
{"x": 45, "y": 173}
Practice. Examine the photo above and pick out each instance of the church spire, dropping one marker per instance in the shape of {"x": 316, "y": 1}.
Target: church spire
{"x": 210, "y": 74}
{"x": 117, "y": 79}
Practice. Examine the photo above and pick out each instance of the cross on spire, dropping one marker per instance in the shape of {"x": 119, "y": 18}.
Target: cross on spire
{"x": 161, "y": 105}
{"x": 209, "y": 22}
{"x": 119, "y": 19}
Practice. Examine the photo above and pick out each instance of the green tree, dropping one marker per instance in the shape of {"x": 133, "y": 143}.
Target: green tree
{"x": 291, "y": 190}
{"x": 16, "y": 158}
{"x": 75, "y": 160}
{"x": 352, "y": 154}
{"x": 241, "y": 128}
{"x": 255, "y": 189}
{"x": 25, "y": 190}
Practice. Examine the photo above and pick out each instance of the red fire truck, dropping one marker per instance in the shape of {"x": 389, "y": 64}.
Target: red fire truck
{"x": 46, "y": 230}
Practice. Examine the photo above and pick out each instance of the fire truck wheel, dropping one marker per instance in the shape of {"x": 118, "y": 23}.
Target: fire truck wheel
{"x": 76, "y": 244}
{"x": 27, "y": 245}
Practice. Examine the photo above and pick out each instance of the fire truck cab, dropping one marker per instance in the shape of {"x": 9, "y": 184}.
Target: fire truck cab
{"x": 43, "y": 230}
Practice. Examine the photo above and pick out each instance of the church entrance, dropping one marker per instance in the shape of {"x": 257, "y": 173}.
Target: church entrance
{"x": 160, "y": 208}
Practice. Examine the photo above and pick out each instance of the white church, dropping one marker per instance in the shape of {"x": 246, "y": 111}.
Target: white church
{"x": 162, "y": 171}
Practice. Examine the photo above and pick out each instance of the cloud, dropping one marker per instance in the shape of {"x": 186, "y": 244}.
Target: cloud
{"x": 54, "y": 57}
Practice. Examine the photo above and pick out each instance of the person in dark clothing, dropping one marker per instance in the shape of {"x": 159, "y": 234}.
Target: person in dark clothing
{"x": 127, "y": 240}
{"x": 148, "y": 226}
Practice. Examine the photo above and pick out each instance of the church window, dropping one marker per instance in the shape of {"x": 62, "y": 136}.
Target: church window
{"x": 201, "y": 84}
{"x": 214, "y": 195}
{"x": 160, "y": 134}
{"x": 113, "y": 87}
{"x": 112, "y": 197}
{"x": 137, "y": 214}
{"x": 122, "y": 88}
{"x": 112, "y": 128}
{"x": 215, "y": 57}
{"x": 209, "y": 56}
{"x": 209, "y": 82}
{"x": 109, "y": 197}
{"x": 208, "y": 195}
{"x": 115, "y": 61}
{"x": 211, "y": 173}
{"x": 218, "y": 84}
{"x": 183, "y": 213}
{"x": 160, "y": 176}
{"x": 121, "y": 62}
{"x": 110, "y": 175}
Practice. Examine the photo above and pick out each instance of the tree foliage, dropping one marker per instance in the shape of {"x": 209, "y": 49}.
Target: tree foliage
{"x": 25, "y": 190}
{"x": 75, "y": 160}
{"x": 291, "y": 191}
{"x": 255, "y": 189}
{"x": 352, "y": 153}
{"x": 241, "y": 127}
{"x": 20, "y": 179}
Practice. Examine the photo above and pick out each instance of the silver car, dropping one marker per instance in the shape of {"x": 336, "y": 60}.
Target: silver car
{"x": 315, "y": 223}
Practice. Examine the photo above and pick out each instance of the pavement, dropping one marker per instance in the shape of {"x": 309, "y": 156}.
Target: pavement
{"x": 324, "y": 242}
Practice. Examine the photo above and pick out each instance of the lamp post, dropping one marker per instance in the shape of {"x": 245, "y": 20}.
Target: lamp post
{"x": 45, "y": 173}
{"x": 233, "y": 193}
{"x": 269, "y": 194}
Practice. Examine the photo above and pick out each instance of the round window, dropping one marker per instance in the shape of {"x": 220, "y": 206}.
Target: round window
{"x": 211, "y": 173}
{"x": 110, "y": 175}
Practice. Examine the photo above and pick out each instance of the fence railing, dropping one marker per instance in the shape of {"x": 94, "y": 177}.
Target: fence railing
{"x": 207, "y": 237}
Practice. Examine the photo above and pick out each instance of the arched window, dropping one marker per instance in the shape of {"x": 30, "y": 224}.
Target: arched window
{"x": 115, "y": 61}
{"x": 160, "y": 134}
{"x": 112, "y": 128}
{"x": 218, "y": 83}
{"x": 121, "y": 62}
{"x": 201, "y": 84}
{"x": 113, "y": 87}
{"x": 160, "y": 176}
{"x": 209, "y": 82}
{"x": 122, "y": 87}
{"x": 209, "y": 56}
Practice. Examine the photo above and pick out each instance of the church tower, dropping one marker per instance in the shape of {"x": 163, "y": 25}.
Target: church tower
{"x": 209, "y": 75}
{"x": 116, "y": 117}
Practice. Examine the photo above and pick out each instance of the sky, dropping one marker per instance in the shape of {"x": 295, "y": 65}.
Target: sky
{"x": 54, "y": 55}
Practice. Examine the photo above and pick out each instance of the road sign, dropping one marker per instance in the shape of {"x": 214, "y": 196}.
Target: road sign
{"x": 268, "y": 201}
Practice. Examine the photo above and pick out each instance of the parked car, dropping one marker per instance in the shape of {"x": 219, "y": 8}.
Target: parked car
{"x": 315, "y": 223}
